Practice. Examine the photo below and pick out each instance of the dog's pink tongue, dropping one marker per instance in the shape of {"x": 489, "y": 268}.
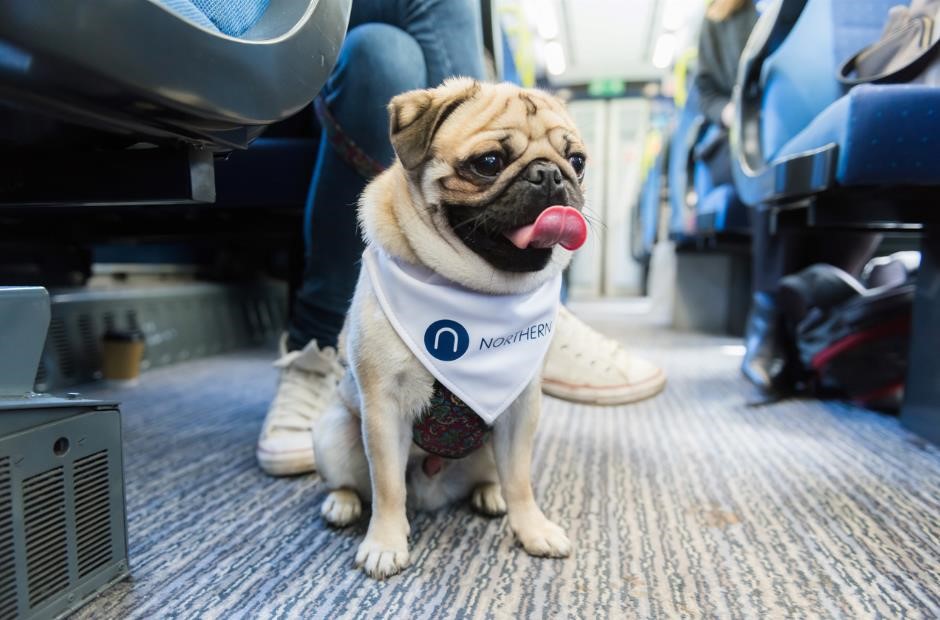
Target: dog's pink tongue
{"x": 555, "y": 225}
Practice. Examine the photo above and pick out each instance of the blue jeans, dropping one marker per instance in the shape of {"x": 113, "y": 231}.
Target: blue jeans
{"x": 392, "y": 46}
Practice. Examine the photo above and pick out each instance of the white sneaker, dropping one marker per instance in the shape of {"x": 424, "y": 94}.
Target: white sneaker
{"x": 308, "y": 381}
{"x": 584, "y": 366}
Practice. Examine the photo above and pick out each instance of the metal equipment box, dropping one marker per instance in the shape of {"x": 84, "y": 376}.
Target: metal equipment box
{"x": 63, "y": 530}
{"x": 62, "y": 520}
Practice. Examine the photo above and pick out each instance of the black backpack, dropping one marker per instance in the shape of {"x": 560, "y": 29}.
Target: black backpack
{"x": 851, "y": 336}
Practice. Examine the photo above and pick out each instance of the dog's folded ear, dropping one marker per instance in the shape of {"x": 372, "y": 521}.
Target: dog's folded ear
{"x": 414, "y": 117}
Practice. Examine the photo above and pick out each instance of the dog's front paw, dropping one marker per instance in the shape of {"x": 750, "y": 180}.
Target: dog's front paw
{"x": 341, "y": 507}
{"x": 380, "y": 559}
{"x": 488, "y": 500}
{"x": 540, "y": 537}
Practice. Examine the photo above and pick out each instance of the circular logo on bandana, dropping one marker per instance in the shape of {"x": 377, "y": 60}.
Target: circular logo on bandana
{"x": 446, "y": 340}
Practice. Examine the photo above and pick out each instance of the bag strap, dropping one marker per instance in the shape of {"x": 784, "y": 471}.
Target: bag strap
{"x": 907, "y": 73}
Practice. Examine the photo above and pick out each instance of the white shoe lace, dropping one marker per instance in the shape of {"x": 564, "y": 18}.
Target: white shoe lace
{"x": 580, "y": 340}
{"x": 302, "y": 395}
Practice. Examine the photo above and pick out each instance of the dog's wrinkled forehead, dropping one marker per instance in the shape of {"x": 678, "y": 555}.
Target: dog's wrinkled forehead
{"x": 463, "y": 119}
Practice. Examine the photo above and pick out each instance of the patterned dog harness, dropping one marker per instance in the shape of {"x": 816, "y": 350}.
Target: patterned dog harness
{"x": 448, "y": 428}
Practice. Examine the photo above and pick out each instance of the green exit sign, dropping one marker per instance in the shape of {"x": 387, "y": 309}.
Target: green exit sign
{"x": 606, "y": 88}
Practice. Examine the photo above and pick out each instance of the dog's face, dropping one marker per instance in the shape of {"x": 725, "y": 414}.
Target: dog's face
{"x": 488, "y": 160}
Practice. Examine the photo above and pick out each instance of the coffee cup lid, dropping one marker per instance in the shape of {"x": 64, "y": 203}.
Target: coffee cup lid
{"x": 125, "y": 335}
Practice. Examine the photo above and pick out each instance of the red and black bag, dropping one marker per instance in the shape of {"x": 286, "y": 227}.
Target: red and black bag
{"x": 852, "y": 336}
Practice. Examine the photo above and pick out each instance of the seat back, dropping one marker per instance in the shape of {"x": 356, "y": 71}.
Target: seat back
{"x": 686, "y": 173}
{"x": 145, "y": 69}
{"x": 647, "y": 211}
{"x": 702, "y": 174}
{"x": 681, "y": 143}
{"x": 717, "y": 207}
{"x": 799, "y": 78}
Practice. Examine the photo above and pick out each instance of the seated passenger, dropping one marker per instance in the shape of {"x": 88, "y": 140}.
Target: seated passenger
{"x": 392, "y": 47}
{"x": 724, "y": 34}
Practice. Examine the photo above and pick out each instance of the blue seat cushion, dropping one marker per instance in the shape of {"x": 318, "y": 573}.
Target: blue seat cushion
{"x": 231, "y": 17}
{"x": 799, "y": 78}
{"x": 887, "y": 135}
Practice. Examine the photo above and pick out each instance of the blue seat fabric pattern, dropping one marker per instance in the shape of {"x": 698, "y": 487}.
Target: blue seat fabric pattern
{"x": 231, "y": 17}
{"x": 887, "y": 135}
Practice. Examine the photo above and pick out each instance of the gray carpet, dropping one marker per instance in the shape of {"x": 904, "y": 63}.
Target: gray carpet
{"x": 688, "y": 505}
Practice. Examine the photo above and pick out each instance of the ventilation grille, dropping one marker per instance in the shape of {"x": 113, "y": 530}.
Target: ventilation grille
{"x": 86, "y": 330}
{"x": 7, "y": 565}
{"x": 92, "y": 512}
{"x": 132, "y": 321}
{"x": 59, "y": 338}
{"x": 108, "y": 319}
{"x": 42, "y": 375}
{"x": 46, "y": 542}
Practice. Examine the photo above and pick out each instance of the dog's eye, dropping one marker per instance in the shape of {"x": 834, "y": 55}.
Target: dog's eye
{"x": 577, "y": 162}
{"x": 488, "y": 164}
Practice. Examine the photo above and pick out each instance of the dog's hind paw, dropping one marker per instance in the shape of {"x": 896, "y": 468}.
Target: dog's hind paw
{"x": 488, "y": 500}
{"x": 379, "y": 560}
{"x": 341, "y": 507}
{"x": 542, "y": 538}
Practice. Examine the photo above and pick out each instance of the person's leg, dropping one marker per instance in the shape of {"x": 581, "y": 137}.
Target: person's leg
{"x": 790, "y": 251}
{"x": 392, "y": 46}
{"x": 767, "y": 361}
{"x": 449, "y": 32}
{"x": 434, "y": 39}
{"x": 767, "y": 253}
{"x": 377, "y": 61}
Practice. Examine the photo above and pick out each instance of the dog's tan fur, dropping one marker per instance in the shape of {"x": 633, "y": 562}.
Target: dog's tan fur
{"x": 363, "y": 443}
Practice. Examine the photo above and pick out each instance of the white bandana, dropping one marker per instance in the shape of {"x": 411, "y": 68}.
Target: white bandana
{"x": 483, "y": 348}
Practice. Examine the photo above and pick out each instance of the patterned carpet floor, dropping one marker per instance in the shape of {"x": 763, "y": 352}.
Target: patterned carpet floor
{"x": 689, "y": 505}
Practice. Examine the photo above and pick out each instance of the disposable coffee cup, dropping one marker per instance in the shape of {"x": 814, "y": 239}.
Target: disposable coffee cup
{"x": 121, "y": 355}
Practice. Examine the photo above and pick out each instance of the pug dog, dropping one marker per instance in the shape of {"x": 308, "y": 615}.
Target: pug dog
{"x": 472, "y": 197}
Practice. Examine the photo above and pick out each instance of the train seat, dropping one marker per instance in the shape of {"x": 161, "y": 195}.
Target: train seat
{"x": 233, "y": 68}
{"x": 801, "y": 132}
{"x": 718, "y": 210}
{"x": 886, "y": 135}
{"x": 699, "y": 207}
{"x": 648, "y": 211}
{"x": 815, "y": 154}
{"x": 682, "y": 141}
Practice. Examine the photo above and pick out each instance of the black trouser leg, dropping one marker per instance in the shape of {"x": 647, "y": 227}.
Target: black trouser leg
{"x": 789, "y": 251}
{"x": 769, "y": 362}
